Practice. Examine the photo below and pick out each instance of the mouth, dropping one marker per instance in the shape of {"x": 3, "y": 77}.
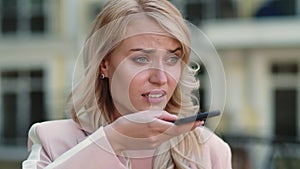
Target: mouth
{"x": 155, "y": 96}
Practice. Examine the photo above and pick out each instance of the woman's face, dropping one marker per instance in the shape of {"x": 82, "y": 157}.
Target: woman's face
{"x": 143, "y": 72}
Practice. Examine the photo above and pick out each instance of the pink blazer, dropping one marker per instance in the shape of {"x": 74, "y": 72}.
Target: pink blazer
{"x": 62, "y": 144}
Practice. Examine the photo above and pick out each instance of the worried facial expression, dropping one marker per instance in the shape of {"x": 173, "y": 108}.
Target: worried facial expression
{"x": 143, "y": 72}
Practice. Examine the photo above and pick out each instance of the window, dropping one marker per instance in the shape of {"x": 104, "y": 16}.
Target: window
{"x": 22, "y": 16}
{"x": 286, "y": 113}
{"x": 285, "y": 68}
{"x": 199, "y": 10}
{"x": 225, "y": 9}
{"x": 22, "y": 100}
{"x": 277, "y": 8}
{"x": 195, "y": 12}
{"x": 285, "y": 99}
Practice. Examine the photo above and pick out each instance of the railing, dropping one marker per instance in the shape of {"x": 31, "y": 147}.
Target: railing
{"x": 264, "y": 153}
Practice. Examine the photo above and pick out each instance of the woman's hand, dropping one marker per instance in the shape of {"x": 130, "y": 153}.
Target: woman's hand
{"x": 144, "y": 130}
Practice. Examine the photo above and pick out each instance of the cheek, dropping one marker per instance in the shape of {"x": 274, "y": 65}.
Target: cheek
{"x": 173, "y": 80}
{"x": 121, "y": 78}
{"x": 121, "y": 74}
{"x": 137, "y": 85}
{"x": 119, "y": 88}
{"x": 172, "y": 84}
{"x": 174, "y": 76}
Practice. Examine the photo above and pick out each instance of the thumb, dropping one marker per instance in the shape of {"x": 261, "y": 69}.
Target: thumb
{"x": 166, "y": 116}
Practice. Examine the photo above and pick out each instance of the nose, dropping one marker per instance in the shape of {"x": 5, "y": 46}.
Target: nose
{"x": 158, "y": 77}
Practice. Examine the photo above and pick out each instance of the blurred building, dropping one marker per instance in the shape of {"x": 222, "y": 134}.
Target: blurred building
{"x": 259, "y": 44}
{"x": 39, "y": 44}
{"x": 257, "y": 40}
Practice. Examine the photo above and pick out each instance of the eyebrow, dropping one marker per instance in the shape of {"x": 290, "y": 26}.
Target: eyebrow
{"x": 153, "y": 50}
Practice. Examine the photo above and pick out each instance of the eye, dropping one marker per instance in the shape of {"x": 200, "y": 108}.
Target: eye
{"x": 141, "y": 59}
{"x": 172, "y": 60}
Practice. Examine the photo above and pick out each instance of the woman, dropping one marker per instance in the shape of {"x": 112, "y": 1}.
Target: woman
{"x": 136, "y": 81}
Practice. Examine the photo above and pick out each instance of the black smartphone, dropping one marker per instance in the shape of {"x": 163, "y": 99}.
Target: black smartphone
{"x": 198, "y": 117}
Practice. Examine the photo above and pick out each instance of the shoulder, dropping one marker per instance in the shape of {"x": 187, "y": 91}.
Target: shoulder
{"x": 213, "y": 141}
{"x": 216, "y": 148}
{"x": 55, "y": 129}
{"x": 56, "y": 136}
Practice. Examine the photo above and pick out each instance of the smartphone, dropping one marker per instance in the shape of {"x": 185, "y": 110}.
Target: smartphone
{"x": 198, "y": 117}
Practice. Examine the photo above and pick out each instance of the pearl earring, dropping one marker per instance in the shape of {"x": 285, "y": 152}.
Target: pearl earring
{"x": 102, "y": 76}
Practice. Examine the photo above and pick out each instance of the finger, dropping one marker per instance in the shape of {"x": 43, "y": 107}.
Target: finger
{"x": 176, "y": 130}
{"x": 166, "y": 116}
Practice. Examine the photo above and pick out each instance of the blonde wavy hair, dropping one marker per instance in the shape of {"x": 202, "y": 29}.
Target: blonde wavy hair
{"x": 91, "y": 97}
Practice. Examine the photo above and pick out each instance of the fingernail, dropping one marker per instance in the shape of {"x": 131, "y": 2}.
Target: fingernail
{"x": 199, "y": 123}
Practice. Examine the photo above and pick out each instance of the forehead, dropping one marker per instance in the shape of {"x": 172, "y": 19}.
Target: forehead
{"x": 150, "y": 41}
{"x": 143, "y": 30}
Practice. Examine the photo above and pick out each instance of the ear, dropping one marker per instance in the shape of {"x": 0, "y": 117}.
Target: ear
{"x": 104, "y": 65}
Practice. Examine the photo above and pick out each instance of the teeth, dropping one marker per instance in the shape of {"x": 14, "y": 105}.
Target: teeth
{"x": 155, "y": 95}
